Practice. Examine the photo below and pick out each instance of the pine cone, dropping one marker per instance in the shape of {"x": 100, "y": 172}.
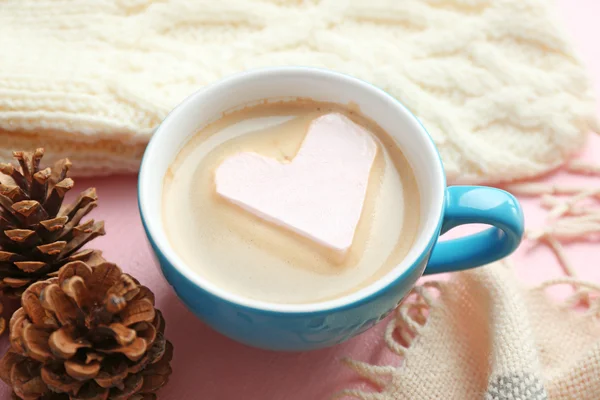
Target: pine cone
{"x": 37, "y": 237}
{"x": 91, "y": 333}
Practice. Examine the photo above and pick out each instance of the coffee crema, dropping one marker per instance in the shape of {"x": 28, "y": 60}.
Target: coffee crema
{"x": 253, "y": 258}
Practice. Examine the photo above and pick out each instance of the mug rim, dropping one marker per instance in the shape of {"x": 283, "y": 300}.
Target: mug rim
{"x": 165, "y": 250}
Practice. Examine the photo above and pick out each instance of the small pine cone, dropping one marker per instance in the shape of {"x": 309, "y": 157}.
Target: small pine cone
{"x": 37, "y": 234}
{"x": 92, "y": 333}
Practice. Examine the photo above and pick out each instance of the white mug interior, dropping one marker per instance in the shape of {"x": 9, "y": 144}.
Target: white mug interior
{"x": 208, "y": 104}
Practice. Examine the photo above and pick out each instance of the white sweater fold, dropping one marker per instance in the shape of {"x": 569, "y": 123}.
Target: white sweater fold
{"x": 494, "y": 81}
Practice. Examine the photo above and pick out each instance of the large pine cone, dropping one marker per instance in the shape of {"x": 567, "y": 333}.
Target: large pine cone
{"x": 91, "y": 333}
{"x": 37, "y": 235}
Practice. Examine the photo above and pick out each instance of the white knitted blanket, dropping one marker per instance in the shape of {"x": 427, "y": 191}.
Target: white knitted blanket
{"x": 494, "y": 81}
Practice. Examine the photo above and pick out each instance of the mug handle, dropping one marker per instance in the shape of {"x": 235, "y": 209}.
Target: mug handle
{"x": 477, "y": 205}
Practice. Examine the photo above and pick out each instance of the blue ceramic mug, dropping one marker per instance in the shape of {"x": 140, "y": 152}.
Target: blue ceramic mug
{"x": 295, "y": 327}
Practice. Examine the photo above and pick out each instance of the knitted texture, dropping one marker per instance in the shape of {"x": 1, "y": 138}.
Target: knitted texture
{"x": 486, "y": 337}
{"x": 494, "y": 81}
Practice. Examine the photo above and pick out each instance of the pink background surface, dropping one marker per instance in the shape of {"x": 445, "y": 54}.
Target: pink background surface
{"x": 209, "y": 366}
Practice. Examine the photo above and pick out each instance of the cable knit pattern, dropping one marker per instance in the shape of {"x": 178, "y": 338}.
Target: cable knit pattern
{"x": 494, "y": 81}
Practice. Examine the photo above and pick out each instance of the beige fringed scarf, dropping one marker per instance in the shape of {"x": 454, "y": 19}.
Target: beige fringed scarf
{"x": 496, "y": 83}
{"x": 482, "y": 335}
{"x": 486, "y": 337}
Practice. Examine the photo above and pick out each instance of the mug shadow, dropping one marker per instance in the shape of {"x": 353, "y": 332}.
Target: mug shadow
{"x": 207, "y": 364}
